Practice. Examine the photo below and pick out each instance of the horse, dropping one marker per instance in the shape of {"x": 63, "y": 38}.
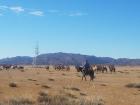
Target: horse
{"x": 112, "y": 68}
{"x": 67, "y": 68}
{"x": 47, "y": 67}
{"x": 100, "y": 68}
{"x": 85, "y": 72}
{"x": 20, "y": 67}
{"x": 7, "y": 67}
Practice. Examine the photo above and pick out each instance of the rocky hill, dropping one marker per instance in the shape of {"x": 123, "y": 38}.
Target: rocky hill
{"x": 68, "y": 59}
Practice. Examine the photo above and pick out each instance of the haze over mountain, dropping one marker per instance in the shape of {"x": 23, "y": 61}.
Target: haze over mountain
{"x": 68, "y": 59}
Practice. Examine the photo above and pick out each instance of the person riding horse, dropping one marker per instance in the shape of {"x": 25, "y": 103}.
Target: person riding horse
{"x": 86, "y": 70}
{"x": 86, "y": 66}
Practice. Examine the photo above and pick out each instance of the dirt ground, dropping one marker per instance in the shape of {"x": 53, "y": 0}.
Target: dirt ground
{"x": 111, "y": 88}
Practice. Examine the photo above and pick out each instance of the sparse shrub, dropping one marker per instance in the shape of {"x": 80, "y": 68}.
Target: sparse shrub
{"x": 43, "y": 97}
{"x": 103, "y": 85}
{"x": 72, "y": 88}
{"x": 71, "y": 95}
{"x": 46, "y": 86}
{"x": 37, "y": 84}
{"x": 66, "y": 88}
{"x": 22, "y": 70}
{"x": 133, "y": 85}
{"x": 83, "y": 94}
{"x": 91, "y": 102}
{"x": 20, "y": 101}
{"x": 37, "y": 73}
{"x": 43, "y": 93}
{"x": 13, "y": 84}
{"x": 50, "y": 79}
{"x": 32, "y": 80}
{"x": 63, "y": 74}
{"x": 64, "y": 100}
{"x": 75, "y": 89}
{"x": 55, "y": 100}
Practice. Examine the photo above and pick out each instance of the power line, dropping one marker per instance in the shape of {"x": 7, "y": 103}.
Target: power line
{"x": 36, "y": 54}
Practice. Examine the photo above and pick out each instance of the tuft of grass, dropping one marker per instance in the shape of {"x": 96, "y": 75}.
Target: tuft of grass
{"x": 63, "y": 74}
{"x": 37, "y": 73}
{"x": 70, "y": 95}
{"x": 66, "y": 88}
{"x": 20, "y": 101}
{"x": 91, "y": 102}
{"x": 43, "y": 97}
{"x": 46, "y": 86}
{"x": 75, "y": 89}
{"x": 83, "y": 94}
{"x": 43, "y": 93}
{"x": 37, "y": 84}
{"x": 22, "y": 70}
{"x": 72, "y": 88}
{"x": 103, "y": 85}
{"x": 50, "y": 79}
{"x": 56, "y": 100}
{"x": 133, "y": 85}
{"x": 64, "y": 100}
{"x": 32, "y": 79}
{"x": 13, "y": 84}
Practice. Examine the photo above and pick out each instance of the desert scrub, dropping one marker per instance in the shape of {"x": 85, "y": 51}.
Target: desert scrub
{"x": 13, "y": 84}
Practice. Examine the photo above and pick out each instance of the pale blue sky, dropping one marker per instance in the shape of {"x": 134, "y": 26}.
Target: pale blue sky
{"x": 96, "y": 27}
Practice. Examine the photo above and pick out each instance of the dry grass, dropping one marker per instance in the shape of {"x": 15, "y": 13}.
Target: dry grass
{"x": 75, "y": 89}
{"x": 32, "y": 80}
{"x": 46, "y": 86}
{"x": 65, "y": 100}
{"x": 22, "y": 70}
{"x": 83, "y": 94}
{"x": 63, "y": 74}
{"x": 18, "y": 101}
{"x": 72, "y": 88}
{"x": 110, "y": 87}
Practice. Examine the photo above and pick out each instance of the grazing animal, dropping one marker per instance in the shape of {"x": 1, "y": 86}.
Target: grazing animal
{"x": 20, "y": 67}
{"x": 47, "y": 67}
{"x": 1, "y": 67}
{"x": 86, "y": 72}
{"x": 6, "y": 67}
{"x": 59, "y": 67}
{"x": 101, "y": 68}
{"x": 104, "y": 69}
{"x": 14, "y": 67}
{"x": 112, "y": 68}
{"x": 67, "y": 68}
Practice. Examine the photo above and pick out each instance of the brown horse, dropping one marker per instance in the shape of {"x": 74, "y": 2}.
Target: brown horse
{"x": 112, "y": 68}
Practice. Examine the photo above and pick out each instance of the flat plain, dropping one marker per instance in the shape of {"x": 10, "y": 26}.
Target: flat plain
{"x": 110, "y": 88}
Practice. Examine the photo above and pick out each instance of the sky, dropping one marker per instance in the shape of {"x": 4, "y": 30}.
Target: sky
{"x": 106, "y": 28}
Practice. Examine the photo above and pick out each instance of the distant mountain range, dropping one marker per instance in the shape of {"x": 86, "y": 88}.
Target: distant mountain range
{"x": 68, "y": 59}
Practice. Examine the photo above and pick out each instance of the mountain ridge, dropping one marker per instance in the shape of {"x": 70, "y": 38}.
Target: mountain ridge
{"x": 68, "y": 59}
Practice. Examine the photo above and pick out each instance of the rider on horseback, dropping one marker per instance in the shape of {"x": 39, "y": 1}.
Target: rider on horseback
{"x": 86, "y": 66}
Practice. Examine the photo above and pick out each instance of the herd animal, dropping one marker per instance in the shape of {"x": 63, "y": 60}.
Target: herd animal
{"x": 104, "y": 68}
{"x": 60, "y": 67}
{"x": 93, "y": 69}
{"x": 10, "y": 67}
